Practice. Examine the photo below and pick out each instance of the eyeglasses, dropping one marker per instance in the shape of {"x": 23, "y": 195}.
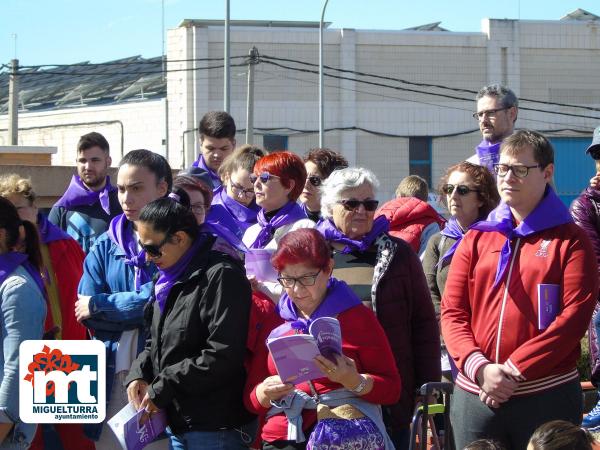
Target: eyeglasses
{"x": 264, "y": 177}
{"x": 304, "y": 280}
{"x": 352, "y": 205}
{"x": 461, "y": 189}
{"x": 315, "y": 180}
{"x": 491, "y": 113}
{"x": 240, "y": 191}
{"x": 519, "y": 170}
{"x": 153, "y": 250}
{"x": 198, "y": 208}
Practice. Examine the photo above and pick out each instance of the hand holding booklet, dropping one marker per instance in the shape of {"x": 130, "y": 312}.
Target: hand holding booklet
{"x": 131, "y": 434}
{"x": 294, "y": 354}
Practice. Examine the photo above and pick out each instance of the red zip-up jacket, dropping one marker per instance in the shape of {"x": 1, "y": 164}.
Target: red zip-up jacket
{"x": 482, "y": 323}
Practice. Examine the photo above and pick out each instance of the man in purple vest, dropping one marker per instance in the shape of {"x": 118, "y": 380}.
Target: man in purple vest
{"x": 497, "y": 109}
{"x": 217, "y": 141}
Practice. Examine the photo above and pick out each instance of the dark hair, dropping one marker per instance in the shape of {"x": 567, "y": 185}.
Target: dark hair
{"x": 484, "y": 182}
{"x": 507, "y": 97}
{"x": 217, "y": 124}
{"x": 561, "y": 435}
{"x": 244, "y": 157}
{"x": 154, "y": 162}
{"x": 10, "y": 221}
{"x": 189, "y": 182}
{"x": 287, "y": 166}
{"x": 169, "y": 215}
{"x": 305, "y": 245}
{"x": 326, "y": 160}
{"x": 92, "y": 139}
{"x": 484, "y": 444}
{"x": 543, "y": 152}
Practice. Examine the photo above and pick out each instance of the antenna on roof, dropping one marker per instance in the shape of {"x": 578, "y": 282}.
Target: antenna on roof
{"x": 14, "y": 38}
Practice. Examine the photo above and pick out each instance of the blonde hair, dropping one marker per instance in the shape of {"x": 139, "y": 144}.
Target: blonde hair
{"x": 13, "y": 183}
{"x": 413, "y": 186}
{"x": 244, "y": 157}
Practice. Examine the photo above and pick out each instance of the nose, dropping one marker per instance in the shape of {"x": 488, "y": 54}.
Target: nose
{"x": 297, "y": 287}
{"x": 454, "y": 194}
{"x": 510, "y": 176}
{"x": 126, "y": 198}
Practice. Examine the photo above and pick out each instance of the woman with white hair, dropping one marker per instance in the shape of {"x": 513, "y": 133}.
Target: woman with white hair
{"x": 386, "y": 274}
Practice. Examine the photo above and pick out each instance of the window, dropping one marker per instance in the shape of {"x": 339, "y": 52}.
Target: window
{"x": 275, "y": 142}
{"x": 419, "y": 156}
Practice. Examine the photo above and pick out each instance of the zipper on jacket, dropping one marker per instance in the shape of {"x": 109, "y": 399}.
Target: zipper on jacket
{"x": 504, "y": 298}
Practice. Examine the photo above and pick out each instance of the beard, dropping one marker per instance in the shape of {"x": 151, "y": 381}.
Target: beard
{"x": 93, "y": 181}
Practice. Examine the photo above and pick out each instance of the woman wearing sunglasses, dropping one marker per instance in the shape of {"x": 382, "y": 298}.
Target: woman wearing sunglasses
{"x": 117, "y": 282}
{"x": 319, "y": 163}
{"x": 469, "y": 192}
{"x": 193, "y": 364}
{"x": 278, "y": 180}
{"x": 386, "y": 274}
{"x": 360, "y": 379}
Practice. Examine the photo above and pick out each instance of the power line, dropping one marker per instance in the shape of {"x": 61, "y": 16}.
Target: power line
{"x": 127, "y": 63}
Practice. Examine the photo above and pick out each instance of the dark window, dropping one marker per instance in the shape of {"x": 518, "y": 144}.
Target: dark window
{"x": 419, "y": 156}
{"x": 274, "y": 142}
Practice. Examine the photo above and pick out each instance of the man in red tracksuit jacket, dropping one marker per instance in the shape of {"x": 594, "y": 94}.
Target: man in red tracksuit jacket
{"x": 520, "y": 293}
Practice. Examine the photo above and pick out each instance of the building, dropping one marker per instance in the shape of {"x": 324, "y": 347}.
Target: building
{"x": 397, "y": 102}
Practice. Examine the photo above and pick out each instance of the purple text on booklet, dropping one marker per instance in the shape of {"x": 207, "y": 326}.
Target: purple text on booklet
{"x": 258, "y": 264}
{"x": 138, "y": 436}
{"x": 294, "y": 354}
{"x": 548, "y": 304}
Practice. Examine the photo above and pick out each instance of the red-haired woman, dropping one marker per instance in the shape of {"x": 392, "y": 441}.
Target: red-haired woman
{"x": 360, "y": 379}
{"x": 278, "y": 181}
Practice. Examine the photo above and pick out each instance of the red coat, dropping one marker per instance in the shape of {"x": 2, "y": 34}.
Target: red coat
{"x": 482, "y": 324}
{"x": 408, "y": 217}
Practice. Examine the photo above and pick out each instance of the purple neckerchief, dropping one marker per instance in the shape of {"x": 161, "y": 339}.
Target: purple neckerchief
{"x": 243, "y": 215}
{"x": 290, "y": 213}
{"x": 120, "y": 231}
{"x": 200, "y": 162}
{"x": 549, "y": 213}
{"x": 488, "y": 154}
{"x": 338, "y": 298}
{"x": 11, "y": 260}
{"x": 225, "y": 233}
{"x": 78, "y": 194}
{"x": 332, "y": 234}
{"x": 50, "y": 232}
{"x": 454, "y": 231}
{"x": 170, "y": 275}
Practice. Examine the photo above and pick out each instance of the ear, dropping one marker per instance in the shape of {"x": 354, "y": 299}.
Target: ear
{"x": 108, "y": 161}
{"x": 330, "y": 266}
{"x": 512, "y": 113}
{"x": 163, "y": 188}
{"x": 233, "y": 142}
{"x": 180, "y": 236}
{"x": 3, "y": 248}
{"x": 290, "y": 188}
{"x": 549, "y": 173}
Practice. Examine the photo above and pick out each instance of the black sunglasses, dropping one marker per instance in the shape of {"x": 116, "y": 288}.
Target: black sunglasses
{"x": 315, "y": 180}
{"x": 352, "y": 205}
{"x": 153, "y": 250}
{"x": 462, "y": 189}
{"x": 264, "y": 177}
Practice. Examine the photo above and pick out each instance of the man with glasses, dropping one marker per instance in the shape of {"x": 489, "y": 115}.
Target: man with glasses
{"x": 517, "y": 302}
{"x": 497, "y": 109}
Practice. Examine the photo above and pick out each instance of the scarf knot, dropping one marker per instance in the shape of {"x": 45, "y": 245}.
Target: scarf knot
{"x": 333, "y": 234}
{"x": 290, "y": 213}
{"x": 78, "y": 194}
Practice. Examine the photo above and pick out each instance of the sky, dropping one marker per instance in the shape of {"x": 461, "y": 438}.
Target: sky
{"x": 72, "y": 31}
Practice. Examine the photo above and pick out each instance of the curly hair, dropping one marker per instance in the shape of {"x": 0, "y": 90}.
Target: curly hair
{"x": 326, "y": 160}
{"x": 487, "y": 192}
{"x": 12, "y": 183}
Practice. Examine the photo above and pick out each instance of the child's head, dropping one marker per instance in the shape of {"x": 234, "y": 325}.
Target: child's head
{"x": 484, "y": 444}
{"x": 560, "y": 435}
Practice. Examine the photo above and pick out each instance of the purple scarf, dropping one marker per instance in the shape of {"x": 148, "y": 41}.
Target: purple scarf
{"x": 332, "y": 234}
{"x": 339, "y": 298}
{"x": 225, "y": 233}
{"x": 200, "y": 162}
{"x": 290, "y": 213}
{"x": 243, "y": 215}
{"x": 170, "y": 275}
{"x": 549, "y": 213}
{"x": 488, "y": 154}
{"x": 9, "y": 263}
{"x": 453, "y": 231}
{"x": 50, "y": 232}
{"x": 120, "y": 231}
{"x": 77, "y": 194}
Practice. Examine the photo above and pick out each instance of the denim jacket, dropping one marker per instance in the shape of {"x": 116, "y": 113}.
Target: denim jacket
{"x": 23, "y": 309}
{"x": 115, "y": 305}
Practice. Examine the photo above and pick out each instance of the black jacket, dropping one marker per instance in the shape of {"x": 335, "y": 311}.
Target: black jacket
{"x": 194, "y": 358}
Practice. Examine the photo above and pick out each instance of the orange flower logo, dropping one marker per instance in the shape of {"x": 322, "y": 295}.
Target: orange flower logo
{"x": 47, "y": 361}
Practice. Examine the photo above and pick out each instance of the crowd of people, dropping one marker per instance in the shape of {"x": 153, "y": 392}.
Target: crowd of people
{"x": 166, "y": 271}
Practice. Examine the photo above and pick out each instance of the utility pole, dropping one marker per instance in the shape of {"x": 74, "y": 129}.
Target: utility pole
{"x": 252, "y": 61}
{"x": 226, "y": 74}
{"x": 321, "y": 97}
{"x": 13, "y": 102}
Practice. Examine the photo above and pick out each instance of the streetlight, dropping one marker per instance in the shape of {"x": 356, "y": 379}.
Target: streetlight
{"x": 321, "y": 104}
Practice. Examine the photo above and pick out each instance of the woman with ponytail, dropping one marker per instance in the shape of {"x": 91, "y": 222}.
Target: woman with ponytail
{"x": 22, "y": 315}
{"x": 193, "y": 363}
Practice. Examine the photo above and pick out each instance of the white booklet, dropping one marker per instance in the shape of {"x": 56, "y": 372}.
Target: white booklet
{"x": 131, "y": 435}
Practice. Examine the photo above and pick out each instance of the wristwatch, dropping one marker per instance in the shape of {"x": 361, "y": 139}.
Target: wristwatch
{"x": 361, "y": 386}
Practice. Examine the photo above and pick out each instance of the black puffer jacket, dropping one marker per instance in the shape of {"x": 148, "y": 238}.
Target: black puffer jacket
{"x": 194, "y": 359}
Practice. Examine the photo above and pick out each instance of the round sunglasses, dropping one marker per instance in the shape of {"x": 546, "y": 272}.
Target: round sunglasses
{"x": 315, "y": 180}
